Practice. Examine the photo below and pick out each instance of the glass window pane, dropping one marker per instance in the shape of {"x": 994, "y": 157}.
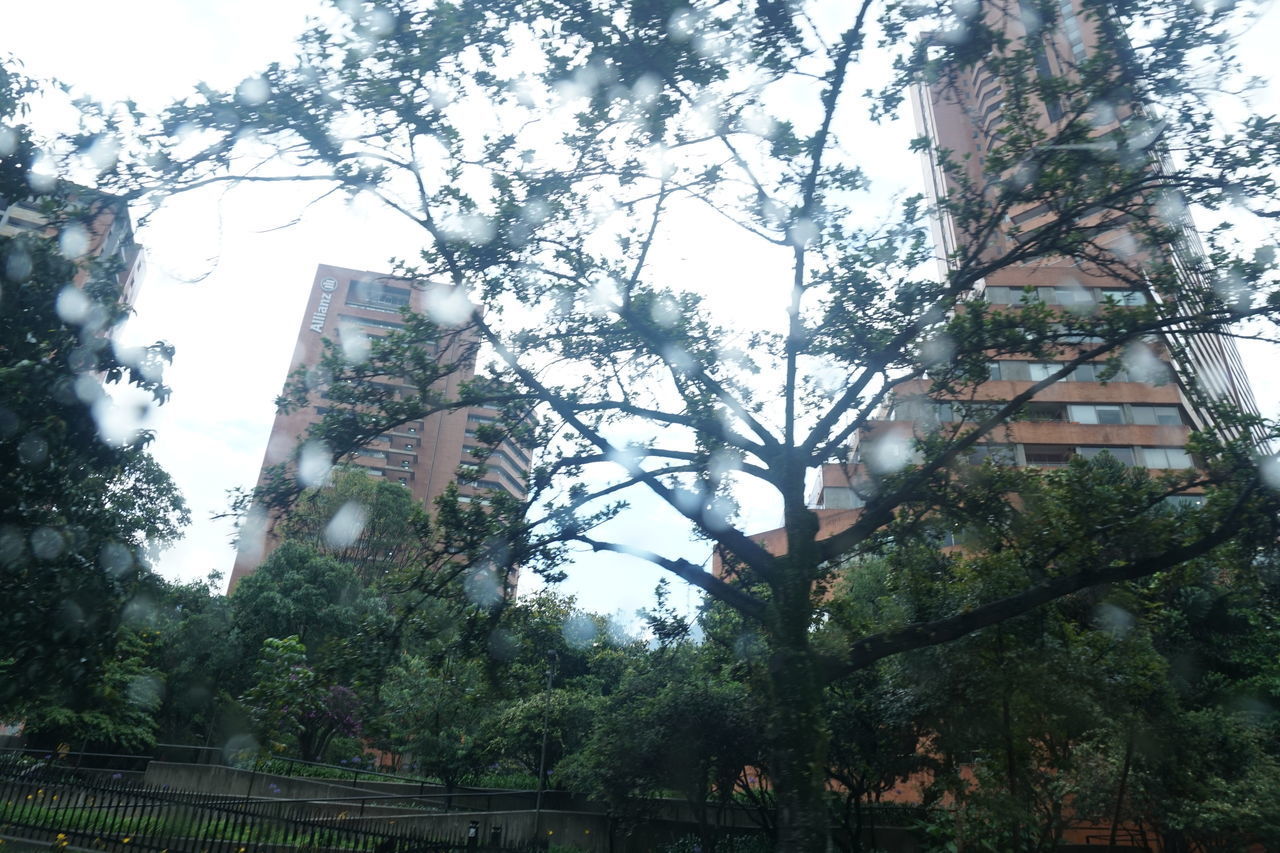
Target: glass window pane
{"x": 1052, "y": 455}
{"x": 1121, "y": 454}
{"x": 1144, "y": 415}
{"x": 1084, "y": 373}
{"x": 1016, "y": 370}
{"x": 1084, "y": 414}
{"x": 1110, "y": 414}
{"x": 1040, "y": 370}
{"x": 1124, "y": 455}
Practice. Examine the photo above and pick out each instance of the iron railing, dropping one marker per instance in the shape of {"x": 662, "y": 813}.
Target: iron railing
{"x": 65, "y": 806}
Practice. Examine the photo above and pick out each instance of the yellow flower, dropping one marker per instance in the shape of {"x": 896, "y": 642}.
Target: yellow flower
{"x": 126, "y": 839}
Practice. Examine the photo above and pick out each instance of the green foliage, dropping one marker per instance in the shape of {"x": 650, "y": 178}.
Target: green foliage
{"x": 674, "y": 723}
{"x": 201, "y": 657}
{"x": 433, "y": 714}
{"x": 117, "y": 712}
{"x": 318, "y": 598}
{"x": 392, "y": 532}
{"x": 80, "y": 508}
{"x": 290, "y": 705}
{"x": 614, "y": 125}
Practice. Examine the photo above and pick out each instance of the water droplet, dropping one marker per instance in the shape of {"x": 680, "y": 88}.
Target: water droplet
{"x": 47, "y": 543}
{"x": 1114, "y": 620}
{"x": 33, "y": 450}
{"x": 482, "y": 587}
{"x": 579, "y": 631}
{"x": 314, "y": 463}
{"x": 73, "y": 305}
{"x": 115, "y": 559}
{"x": 346, "y": 525}
{"x": 682, "y": 24}
{"x": 665, "y": 311}
{"x": 1269, "y": 469}
{"x": 144, "y": 691}
{"x": 802, "y": 232}
{"x": 356, "y": 345}
{"x": 73, "y": 242}
{"x": 103, "y": 153}
{"x": 253, "y": 91}
{"x": 17, "y": 267}
{"x": 13, "y": 545}
{"x": 448, "y": 306}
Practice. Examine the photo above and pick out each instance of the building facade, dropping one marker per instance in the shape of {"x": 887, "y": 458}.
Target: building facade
{"x": 349, "y": 308}
{"x": 1140, "y": 410}
{"x": 107, "y": 231}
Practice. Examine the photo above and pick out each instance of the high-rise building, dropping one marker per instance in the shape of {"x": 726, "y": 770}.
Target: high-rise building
{"x": 104, "y": 227}
{"x": 349, "y": 308}
{"x": 1142, "y": 411}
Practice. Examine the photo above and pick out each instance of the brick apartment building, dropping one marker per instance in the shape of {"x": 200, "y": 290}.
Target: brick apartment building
{"x": 423, "y": 455}
{"x": 1141, "y": 414}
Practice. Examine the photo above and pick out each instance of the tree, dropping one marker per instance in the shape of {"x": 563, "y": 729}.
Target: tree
{"x": 116, "y": 711}
{"x": 291, "y": 705}
{"x": 434, "y": 715}
{"x": 676, "y": 722}
{"x": 80, "y": 508}
{"x": 298, "y": 592}
{"x": 616, "y": 123}
{"x": 383, "y": 530}
{"x": 201, "y": 657}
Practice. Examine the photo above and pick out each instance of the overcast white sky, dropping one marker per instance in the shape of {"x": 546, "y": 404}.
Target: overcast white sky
{"x": 227, "y": 287}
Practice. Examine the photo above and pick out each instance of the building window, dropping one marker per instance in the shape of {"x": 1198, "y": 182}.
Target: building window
{"x": 377, "y": 296}
{"x": 1048, "y": 455}
{"x": 1038, "y": 371}
{"x": 369, "y": 321}
{"x": 1157, "y": 415}
{"x": 999, "y": 454}
{"x": 840, "y": 497}
{"x": 1042, "y": 412}
{"x": 1125, "y": 296}
{"x": 1097, "y": 414}
{"x": 1123, "y": 455}
{"x": 1165, "y": 457}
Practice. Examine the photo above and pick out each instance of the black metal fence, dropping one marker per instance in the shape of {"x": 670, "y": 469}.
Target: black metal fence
{"x": 46, "y": 802}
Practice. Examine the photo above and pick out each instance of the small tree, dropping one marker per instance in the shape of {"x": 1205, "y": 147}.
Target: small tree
{"x": 290, "y": 704}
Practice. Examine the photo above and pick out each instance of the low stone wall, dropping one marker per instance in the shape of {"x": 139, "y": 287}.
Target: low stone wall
{"x": 499, "y": 817}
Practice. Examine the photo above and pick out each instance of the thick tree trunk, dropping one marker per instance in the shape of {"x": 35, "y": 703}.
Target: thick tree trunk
{"x": 799, "y": 743}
